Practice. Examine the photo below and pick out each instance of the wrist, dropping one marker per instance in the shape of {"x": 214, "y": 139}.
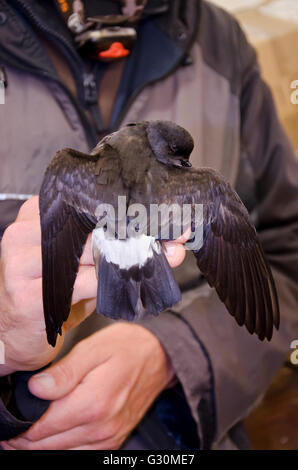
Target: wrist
{"x": 158, "y": 356}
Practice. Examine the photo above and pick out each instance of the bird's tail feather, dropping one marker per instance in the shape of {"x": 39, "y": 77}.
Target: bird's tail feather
{"x": 127, "y": 294}
{"x": 159, "y": 291}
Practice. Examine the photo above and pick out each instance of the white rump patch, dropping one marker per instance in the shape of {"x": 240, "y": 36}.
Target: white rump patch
{"x": 124, "y": 253}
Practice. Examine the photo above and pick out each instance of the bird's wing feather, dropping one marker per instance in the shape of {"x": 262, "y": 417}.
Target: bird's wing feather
{"x": 69, "y": 196}
{"x": 231, "y": 258}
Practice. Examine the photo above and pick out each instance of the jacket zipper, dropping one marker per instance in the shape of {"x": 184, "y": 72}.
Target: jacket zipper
{"x": 88, "y": 84}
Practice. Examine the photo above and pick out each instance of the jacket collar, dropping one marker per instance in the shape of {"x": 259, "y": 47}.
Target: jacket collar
{"x": 162, "y": 46}
{"x": 19, "y": 43}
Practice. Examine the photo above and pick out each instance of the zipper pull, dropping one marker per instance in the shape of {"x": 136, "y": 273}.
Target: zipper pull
{"x": 90, "y": 89}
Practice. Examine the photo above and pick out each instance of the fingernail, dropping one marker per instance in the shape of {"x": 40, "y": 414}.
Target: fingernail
{"x": 45, "y": 381}
{"x": 170, "y": 249}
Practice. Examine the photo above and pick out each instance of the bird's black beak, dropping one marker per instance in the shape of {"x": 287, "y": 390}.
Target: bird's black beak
{"x": 182, "y": 162}
{"x": 186, "y": 163}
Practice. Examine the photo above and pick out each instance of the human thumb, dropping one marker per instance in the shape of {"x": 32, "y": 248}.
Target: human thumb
{"x": 61, "y": 378}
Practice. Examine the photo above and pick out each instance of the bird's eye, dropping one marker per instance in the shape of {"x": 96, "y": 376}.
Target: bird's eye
{"x": 131, "y": 124}
{"x": 173, "y": 147}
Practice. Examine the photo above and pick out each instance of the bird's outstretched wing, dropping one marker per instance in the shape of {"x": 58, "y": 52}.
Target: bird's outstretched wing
{"x": 231, "y": 258}
{"x": 69, "y": 196}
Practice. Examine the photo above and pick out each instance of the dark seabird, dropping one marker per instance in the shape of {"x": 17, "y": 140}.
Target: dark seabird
{"x": 147, "y": 163}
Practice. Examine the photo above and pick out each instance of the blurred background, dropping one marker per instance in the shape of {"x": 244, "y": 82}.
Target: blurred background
{"x": 272, "y": 27}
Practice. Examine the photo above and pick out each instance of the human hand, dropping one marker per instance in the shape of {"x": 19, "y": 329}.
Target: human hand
{"x": 100, "y": 391}
{"x": 22, "y": 327}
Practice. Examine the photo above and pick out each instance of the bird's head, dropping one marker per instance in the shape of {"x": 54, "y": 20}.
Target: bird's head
{"x": 171, "y": 144}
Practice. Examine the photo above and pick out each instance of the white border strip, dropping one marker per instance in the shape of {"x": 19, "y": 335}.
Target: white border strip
{"x": 2, "y": 353}
{"x": 20, "y": 197}
{"x": 2, "y": 93}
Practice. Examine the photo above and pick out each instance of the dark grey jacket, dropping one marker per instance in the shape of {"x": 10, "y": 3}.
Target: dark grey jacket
{"x": 193, "y": 66}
